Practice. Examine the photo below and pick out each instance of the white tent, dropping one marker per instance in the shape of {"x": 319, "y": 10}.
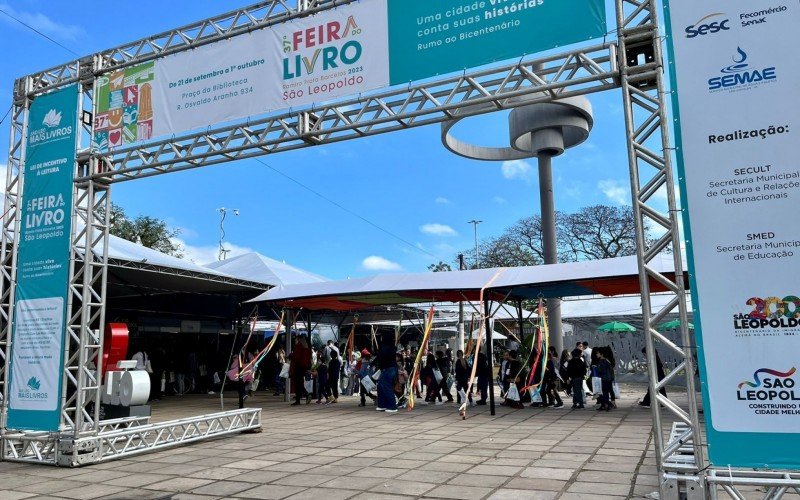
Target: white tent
{"x": 257, "y": 267}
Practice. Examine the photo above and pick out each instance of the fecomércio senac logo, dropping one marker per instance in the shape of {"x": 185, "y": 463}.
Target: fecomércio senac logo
{"x": 50, "y": 129}
{"x": 741, "y": 75}
{"x": 718, "y": 22}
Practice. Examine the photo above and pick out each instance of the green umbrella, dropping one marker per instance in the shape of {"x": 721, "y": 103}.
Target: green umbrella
{"x": 616, "y": 326}
{"x": 673, "y": 325}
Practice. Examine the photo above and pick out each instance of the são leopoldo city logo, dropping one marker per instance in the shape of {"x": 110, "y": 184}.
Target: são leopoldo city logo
{"x": 769, "y": 316}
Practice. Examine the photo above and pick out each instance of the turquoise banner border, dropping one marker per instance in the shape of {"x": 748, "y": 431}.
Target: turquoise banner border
{"x": 434, "y": 37}
{"x": 735, "y": 449}
{"x": 48, "y": 171}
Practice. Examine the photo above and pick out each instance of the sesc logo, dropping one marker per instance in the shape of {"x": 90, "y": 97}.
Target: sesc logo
{"x": 740, "y": 76}
{"x": 702, "y": 28}
{"x": 777, "y": 386}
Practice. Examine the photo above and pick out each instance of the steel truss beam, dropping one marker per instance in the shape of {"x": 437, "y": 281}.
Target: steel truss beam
{"x": 579, "y": 72}
{"x": 125, "y": 437}
{"x": 651, "y": 173}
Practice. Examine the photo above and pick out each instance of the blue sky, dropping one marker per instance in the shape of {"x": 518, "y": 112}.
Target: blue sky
{"x": 404, "y": 182}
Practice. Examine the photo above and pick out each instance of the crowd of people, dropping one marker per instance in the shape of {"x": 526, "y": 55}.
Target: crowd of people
{"x": 382, "y": 372}
{"x": 382, "y": 376}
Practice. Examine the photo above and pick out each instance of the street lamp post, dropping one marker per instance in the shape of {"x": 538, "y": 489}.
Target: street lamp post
{"x": 223, "y": 212}
{"x": 475, "y": 223}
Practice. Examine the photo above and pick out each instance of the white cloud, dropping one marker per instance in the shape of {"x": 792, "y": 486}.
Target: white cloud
{"x": 499, "y": 200}
{"x": 441, "y": 200}
{"x": 438, "y": 230}
{"x": 517, "y": 169}
{"x": 43, "y": 23}
{"x": 202, "y": 255}
{"x": 617, "y": 191}
{"x": 378, "y": 263}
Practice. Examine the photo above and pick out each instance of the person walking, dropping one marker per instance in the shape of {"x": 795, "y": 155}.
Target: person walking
{"x": 551, "y": 396}
{"x": 462, "y": 378}
{"x": 298, "y": 368}
{"x": 334, "y": 367}
{"x": 513, "y": 368}
{"x": 576, "y": 370}
{"x": 364, "y": 370}
{"x": 321, "y": 372}
{"x": 660, "y": 374}
{"x": 388, "y": 365}
{"x": 605, "y": 370}
{"x": 433, "y": 393}
{"x": 443, "y": 362}
{"x": 280, "y": 382}
{"x": 484, "y": 374}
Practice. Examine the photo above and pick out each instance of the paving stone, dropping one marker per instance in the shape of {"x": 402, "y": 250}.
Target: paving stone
{"x": 523, "y": 483}
{"x": 459, "y": 492}
{"x": 478, "y": 480}
{"x": 304, "y": 480}
{"x": 223, "y": 488}
{"x": 395, "y": 487}
{"x": 593, "y": 476}
{"x": 504, "y": 494}
{"x": 495, "y": 470}
{"x": 270, "y": 491}
{"x": 179, "y": 484}
{"x": 15, "y": 495}
{"x": 91, "y": 491}
{"x": 547, "y": 473}
{"x": 326, "y": 493}
{"x": 600, "y": 488}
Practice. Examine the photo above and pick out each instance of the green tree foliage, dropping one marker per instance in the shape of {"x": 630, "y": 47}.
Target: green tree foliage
{"x": 145, "y": 230}
{"x": 440, "y": 267}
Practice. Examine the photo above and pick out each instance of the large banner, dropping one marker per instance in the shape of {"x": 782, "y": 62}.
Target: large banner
{"x": 736, "y": 72}
{"x": 38, "y": 331}
{"x": 346, "y": 51}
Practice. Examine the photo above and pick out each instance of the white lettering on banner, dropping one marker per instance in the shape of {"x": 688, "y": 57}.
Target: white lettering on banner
{"x": 314, "y": 59}
{"x": 737, "y": 78}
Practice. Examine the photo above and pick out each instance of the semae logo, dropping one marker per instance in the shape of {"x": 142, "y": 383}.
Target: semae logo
{"x": 702, "y": 28}
{"x": 740, "y": 75}
{"x": 52, "y": 119}
{"x": 34, "y": 384}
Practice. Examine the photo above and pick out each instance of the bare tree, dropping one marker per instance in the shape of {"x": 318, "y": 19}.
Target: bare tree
{"x": 596, "y": 232}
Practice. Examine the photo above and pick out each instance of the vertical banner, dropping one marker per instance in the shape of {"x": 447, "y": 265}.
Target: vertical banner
{"x": 736, "y": 74}
{"x": 38, "y": 331}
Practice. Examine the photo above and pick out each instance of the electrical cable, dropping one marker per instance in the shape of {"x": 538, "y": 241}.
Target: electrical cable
{"x": 345, "y": 209}
{"x": 40, "y": 33}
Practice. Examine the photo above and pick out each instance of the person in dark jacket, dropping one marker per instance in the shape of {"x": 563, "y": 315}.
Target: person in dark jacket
{"x": 323, "y": 389}
{"x": 661, "y": 374}
{"x": 484, "y": 374}
{"x": 462, "y": 377}
{"x": 513, "y": 369}
{"x": 605, "y": 370}
{"x": 576, "y": 371}
{"x": 443, "y": 363}
{"x": 388, "y": 365}
{"x": 334, "y": 366}
{"x": 433, "y": 392}
{"x": 298, "y": 368}
{"x": 551, "y": 396}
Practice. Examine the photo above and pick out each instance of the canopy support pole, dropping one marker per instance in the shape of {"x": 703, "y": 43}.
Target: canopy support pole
{"x": 489, "y": 356}
{"x": 521, "y": 322}
{"x": 287, "y": 395}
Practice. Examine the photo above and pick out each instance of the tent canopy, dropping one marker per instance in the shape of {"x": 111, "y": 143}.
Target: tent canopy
{"x": 260, "y": 268}
{"x": 599, "y": 277}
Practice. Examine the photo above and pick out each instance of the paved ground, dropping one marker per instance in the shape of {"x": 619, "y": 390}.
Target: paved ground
{"x": 346, "y": 452}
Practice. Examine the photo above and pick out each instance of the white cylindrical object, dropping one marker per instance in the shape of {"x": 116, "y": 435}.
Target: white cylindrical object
{"x": 134, "y": 388}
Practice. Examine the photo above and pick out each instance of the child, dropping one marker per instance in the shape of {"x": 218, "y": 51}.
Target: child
{"x": 402, "y": 380}
{"x": 364, "y": 370}
{"x": 576, "y": 371}
{"x": 606, "y": 373}
{"x": 334, "y": 366}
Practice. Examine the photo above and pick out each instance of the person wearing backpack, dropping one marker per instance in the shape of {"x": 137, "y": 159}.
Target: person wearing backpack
{"x": 444, "y": 367}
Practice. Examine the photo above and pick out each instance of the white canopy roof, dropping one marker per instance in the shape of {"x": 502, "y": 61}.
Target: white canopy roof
{"x": 257, "y": 267}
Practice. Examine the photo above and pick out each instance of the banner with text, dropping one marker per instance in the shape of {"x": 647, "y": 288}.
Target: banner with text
{"x": 736, "y": 73}
{"x": 37, "y": 343}
{"x": 345, "y": 51}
